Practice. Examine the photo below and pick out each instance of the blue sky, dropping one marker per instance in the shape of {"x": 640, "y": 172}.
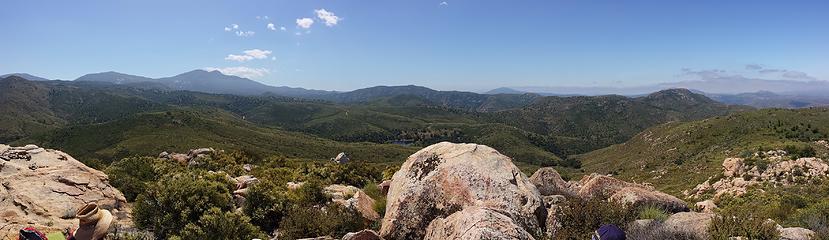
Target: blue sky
{"x": 462, "y": 44}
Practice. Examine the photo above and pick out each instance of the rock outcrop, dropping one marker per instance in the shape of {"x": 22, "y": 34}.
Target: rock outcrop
{"x": 475, "y": 223}
{"x": 549, "y": 182}
{"x": 631, "y": 194}
{"x": 443, "y": 180}
{"x": 188, "y": 159}
{"x": 764, "y": 167}
{"x": 43, "y": 188}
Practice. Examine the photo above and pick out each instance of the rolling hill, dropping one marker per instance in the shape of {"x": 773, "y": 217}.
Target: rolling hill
{"x": 586, "y": 123}
{"x": 182, "y": 129}
{"x": 541, "y": 133}
{"x": 678, "y": 155}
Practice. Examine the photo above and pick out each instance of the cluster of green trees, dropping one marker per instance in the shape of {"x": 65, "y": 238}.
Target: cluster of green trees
{"x": 196, "y": 202}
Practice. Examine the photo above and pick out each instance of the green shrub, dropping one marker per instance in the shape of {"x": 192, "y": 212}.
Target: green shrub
{"x": 579, "y": 218}
{"x": 742, "y": 224}
{"x": 266, "y": 203}
{"x": 131, "y": 175}
{"x": 309, "y": 194}
{"x": 800, "y": 150}
{"x": 178, "y": 199}
{"x": 216, "y": 224}
{"x": 332, "y": 220}
{"x": 653, "y": 212}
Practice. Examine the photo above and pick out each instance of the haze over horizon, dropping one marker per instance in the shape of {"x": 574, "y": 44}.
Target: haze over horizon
{"x": 452, "y": 45}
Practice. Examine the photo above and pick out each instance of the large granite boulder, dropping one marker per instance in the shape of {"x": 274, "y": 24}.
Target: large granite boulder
{"x": 549, "y": 182}
{"x": 630, "y": 194}
{"x": 475, "y": 223}
{"x": 43, "y": 188}
{"x": 446, "y": 178}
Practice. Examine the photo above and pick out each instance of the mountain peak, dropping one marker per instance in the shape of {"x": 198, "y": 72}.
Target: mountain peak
{"x": 25, "y": 76}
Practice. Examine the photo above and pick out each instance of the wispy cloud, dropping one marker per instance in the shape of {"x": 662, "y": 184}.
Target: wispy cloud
{"x": 271, "y": 27}
{"x": 238, "y": 31}
{"x": 328, "y": 17}
{"x": 704, "y": 74}
{"x": 249, "y": 55}
{"x": 444, "y": 3}
{"x": 304, "y": 23}
{"x": 232, "y": 27}
{"x": 798, "y": 75}
{"x": 245, "y": 33}
{"x": 244, "y": 72}
{"x": 785, "y": 73}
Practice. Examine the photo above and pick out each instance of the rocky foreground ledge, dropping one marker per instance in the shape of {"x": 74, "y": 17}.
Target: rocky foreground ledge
{"x": 43, "y": 188}
{"x": 444, "y": 191}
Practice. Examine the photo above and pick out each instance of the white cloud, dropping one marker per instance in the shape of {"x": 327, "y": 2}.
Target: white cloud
{"x": 249, "y": 55}
{"x": 444, "y": 3}
{"x": 283, "y": 28}
{"x": 245, "y": 33}
{"x": 262, "y": 17}
{"x": 328, "y": 17}
{"x": 232, "y": 27}
{"x": 244, "y": 72}
{"x": 271, "y": 27}
{"x": 304, "y": 22}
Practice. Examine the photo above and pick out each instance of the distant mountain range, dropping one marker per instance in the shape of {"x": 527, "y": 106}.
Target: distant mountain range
{"x": 724, "y": 86}
{"x": 743, "y": 91}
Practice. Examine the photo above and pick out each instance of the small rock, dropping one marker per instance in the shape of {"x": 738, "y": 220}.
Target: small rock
{"x": 796, "y": 233}
{"x": 549, "y": 182}
{"x": 341, "y": 158}
{"x": 247, "y": 167}
{"x": 690, "y": 222}
{"x": 706, "y": 206}
{"x": 294, "y": 185}
{"x": 366, "y": 234}
{"x": 384, "y": 186}
{"x": 553, "y": 200}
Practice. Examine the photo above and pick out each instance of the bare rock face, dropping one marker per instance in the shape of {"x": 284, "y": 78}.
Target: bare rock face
{"x": 690, "y": 222}
{"x": 446, "y": 178}
{"x": 549, "y": 182}
{"x": 475, "y": 223}
{"x": 43, "y": 188}
{"x": 631, "y": 194}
